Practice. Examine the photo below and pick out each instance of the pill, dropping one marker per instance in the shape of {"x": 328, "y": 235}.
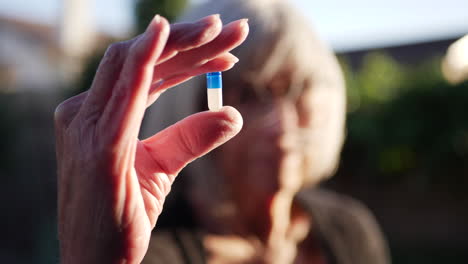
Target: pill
{"x": 214, "y": 89}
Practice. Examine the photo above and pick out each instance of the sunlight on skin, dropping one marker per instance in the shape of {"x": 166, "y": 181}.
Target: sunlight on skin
{"x": 111, "y": 185}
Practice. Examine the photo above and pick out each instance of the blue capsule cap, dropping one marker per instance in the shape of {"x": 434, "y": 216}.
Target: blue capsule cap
{"x": 214, "y": 80}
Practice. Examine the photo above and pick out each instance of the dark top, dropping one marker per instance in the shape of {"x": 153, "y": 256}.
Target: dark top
{"x": 346, "y": 230}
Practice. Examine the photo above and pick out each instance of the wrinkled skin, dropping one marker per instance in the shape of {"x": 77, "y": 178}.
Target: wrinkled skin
{"x": 111, "y": 185}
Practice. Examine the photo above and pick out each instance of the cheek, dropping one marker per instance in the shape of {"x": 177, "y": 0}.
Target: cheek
{"x": 231, "y": 156}
{"x": 311, "y": 168}
{"x": 249, "y": 163}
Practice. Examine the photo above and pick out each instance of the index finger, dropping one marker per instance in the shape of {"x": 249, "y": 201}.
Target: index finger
{"x": 186, "y": 36}
{"x": 123, "y": 113}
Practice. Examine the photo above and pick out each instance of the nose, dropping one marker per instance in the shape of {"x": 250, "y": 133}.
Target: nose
{"x": 280, "y": 125}
{"x": 286, "y": 147}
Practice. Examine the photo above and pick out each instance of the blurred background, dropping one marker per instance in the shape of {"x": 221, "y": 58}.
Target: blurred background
{"x": 406, "y": 154}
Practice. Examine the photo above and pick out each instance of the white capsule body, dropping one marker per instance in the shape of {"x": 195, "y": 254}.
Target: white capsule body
{"x": 215, "y": 98}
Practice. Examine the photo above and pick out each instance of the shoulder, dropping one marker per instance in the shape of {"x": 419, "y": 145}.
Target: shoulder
{"x": 347, "y": 229}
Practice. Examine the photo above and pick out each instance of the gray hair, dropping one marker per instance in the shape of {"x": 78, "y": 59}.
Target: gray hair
{"x": 279, "y": 38}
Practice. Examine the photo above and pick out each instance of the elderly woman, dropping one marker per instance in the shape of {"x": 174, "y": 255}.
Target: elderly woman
{"x": 244, "y": 203}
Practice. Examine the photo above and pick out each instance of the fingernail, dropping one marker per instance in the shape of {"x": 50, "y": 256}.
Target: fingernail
{"x": 244, "y": 21}
{"x": 150, "y": 28}
{"x": 158, "y": 25}
{"x": 244, "y": 25}
{"x": 208, "y": 19}
{"x": 156, "y": 19}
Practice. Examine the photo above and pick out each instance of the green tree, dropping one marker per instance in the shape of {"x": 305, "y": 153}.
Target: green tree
{"x": 144, "y": 12}
{"x": 405, "y": 124}
{"x": 146, "y": 9}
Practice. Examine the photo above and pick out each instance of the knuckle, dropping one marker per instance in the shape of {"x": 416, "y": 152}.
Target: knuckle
{"x": 67, "y": 109}
{"x": 59, "y": 113}
{"x": 114, "y": 49}
{"x": 165, "y": 185}
{"x": 115, "y": 52}
{"x": 187, "y": 143}
{"x": 62, "y": 113}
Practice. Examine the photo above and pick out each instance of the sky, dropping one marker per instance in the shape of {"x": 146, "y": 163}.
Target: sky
{"x": 346, "y": 25}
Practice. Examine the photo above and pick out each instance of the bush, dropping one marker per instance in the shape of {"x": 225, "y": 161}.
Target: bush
{"x": 405, "y": 124}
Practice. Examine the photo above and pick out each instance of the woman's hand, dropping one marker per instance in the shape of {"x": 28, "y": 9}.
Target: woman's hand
{"x": 111, "y": 185}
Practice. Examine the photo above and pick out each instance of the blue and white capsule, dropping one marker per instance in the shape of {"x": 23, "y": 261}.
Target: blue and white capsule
{"x": 214, "y": 85}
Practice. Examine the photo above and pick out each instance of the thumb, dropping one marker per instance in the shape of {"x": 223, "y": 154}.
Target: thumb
{"x": 176, "y": 146}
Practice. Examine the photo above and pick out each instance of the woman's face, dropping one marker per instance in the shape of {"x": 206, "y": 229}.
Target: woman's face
{"x": 273, "y": 150}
